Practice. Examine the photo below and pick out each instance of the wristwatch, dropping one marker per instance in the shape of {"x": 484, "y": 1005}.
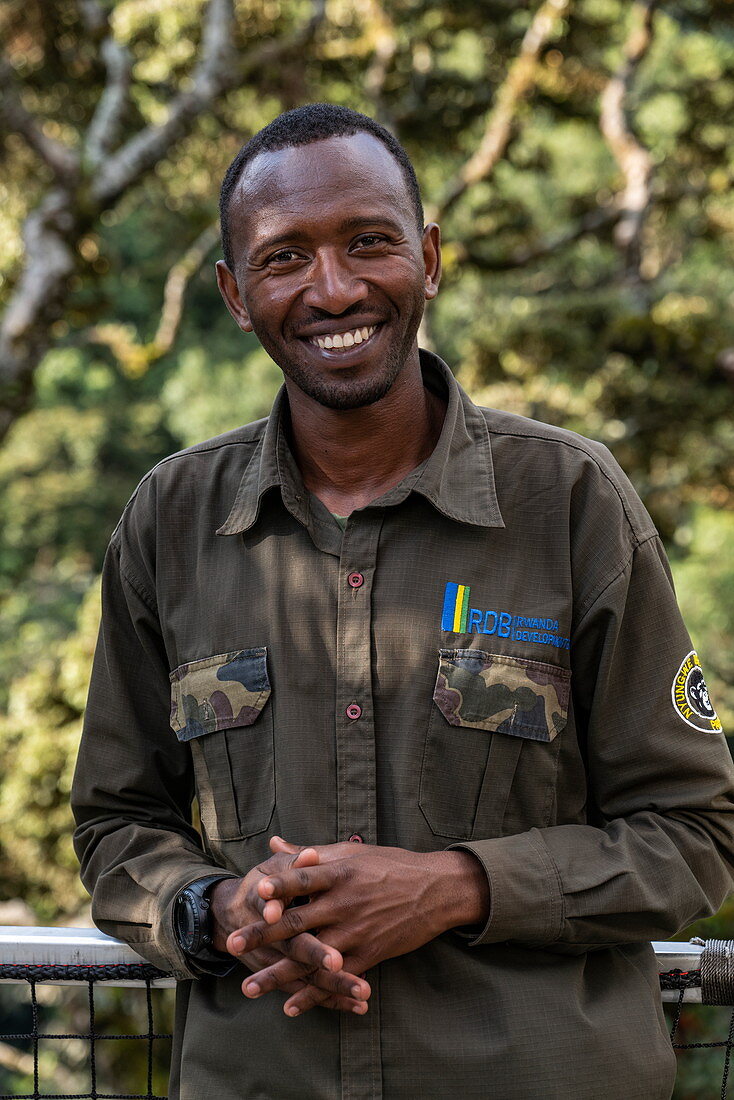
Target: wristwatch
{"x": 192, "y": 920}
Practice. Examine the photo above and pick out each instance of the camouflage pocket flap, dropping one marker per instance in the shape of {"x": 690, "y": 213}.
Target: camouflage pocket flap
{"x": 488, "y": 691}
{"x": 219, "y": 692}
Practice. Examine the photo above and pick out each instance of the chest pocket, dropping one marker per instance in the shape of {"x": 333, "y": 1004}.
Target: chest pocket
{"x": 491, "y": 751}
{"x": 219, "y": 705}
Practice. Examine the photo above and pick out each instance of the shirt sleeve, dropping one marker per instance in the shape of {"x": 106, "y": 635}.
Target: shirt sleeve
{"x": 658, "y": 852}
{"x": 133, "y": 787}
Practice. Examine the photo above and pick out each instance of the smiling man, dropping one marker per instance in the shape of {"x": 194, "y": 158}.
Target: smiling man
{"x": 422, "y": 666}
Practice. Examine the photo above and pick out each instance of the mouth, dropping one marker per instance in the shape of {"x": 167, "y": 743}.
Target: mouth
{"x": 343, "y": 341}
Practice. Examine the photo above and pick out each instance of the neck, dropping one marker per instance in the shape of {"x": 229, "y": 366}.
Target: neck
{"x": 349, "y": 457}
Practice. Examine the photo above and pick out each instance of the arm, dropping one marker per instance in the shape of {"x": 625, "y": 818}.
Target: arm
{"x": 132, "y": 798}
{"x": 656, "y": 852}
{"x": 133, "y": 785}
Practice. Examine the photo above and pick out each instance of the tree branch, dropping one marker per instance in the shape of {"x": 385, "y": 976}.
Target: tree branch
{"x": 36, "y": 301}
{"x": 515, "y": 86}
{"x": 590, "y": 222}
{"x": 134, "y": 357}
{"x": 523, "y": 257}
{"x": 274, "y": 50}
{"x": 214, "y": 72}
{"x": 177, "y": 281}
{"x": 59, "y": 158}
{"x": 383, "y": 30}
{"x": 103, "y": 133}
{"x": 633, "y": 159}
{"x": 52, "y": 231}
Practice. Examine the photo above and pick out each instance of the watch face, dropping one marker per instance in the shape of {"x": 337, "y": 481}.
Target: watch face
{"x": 187, "y": 922}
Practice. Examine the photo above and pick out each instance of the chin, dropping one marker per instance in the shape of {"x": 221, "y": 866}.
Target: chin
{"x": 349, "y": 396}
{"x": 343, "y": 393}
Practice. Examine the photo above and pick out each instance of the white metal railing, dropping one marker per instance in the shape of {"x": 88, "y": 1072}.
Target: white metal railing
{"x": 685, "y": 957}
{"x": 69, "y": 947}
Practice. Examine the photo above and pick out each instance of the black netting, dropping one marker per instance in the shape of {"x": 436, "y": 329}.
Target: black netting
{"x": 78, "y": 972}
{"x": 36, "y": 1036}
{"x": 683, "y": 980}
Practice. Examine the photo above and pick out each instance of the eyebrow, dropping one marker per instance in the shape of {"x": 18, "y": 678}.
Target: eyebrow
{"x": 361, "y": 221}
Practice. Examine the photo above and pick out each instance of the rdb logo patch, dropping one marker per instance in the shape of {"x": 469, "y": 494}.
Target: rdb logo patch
{"x": 691, "y": 696}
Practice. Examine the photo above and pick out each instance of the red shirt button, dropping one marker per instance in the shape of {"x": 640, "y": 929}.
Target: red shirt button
{"x": 356, "y": 580}
{"x": 355, "y": 838}
{"x": 354, "y": 711}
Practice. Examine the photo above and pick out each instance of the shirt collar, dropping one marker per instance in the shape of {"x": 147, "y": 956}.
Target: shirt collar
{"x": 457, "y": 478}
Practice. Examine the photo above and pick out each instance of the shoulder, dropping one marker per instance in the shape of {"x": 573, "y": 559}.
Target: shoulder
{"x": 580, "y": 472}
{"x": 200, "y": 479}
{"x": 232, "y": 446}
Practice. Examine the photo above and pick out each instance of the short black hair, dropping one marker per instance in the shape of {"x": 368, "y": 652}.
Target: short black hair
{"x": 302, "y": 126}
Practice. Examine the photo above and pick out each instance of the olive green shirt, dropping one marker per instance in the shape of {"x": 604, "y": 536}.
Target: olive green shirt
{"x": 490, "y": 655}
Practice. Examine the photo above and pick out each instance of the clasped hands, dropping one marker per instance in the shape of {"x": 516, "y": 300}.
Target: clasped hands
{"x": 364, "y": 904}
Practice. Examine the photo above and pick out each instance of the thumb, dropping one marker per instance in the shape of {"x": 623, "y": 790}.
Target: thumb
{"x": 277, "y": 844}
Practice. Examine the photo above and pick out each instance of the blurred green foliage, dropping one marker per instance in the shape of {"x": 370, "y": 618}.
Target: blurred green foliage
{"x": 537, "y": 313}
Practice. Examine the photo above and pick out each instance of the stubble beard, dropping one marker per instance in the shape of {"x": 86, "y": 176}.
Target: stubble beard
{"x": 346, "y": 392}
{"x": 349, "y": 391}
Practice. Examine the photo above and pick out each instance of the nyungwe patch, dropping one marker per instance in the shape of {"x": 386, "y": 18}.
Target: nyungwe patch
{"x": 690, "y": 696}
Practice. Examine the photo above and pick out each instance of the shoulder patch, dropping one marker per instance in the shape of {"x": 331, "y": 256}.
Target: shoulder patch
{"x": 691, "y": 697}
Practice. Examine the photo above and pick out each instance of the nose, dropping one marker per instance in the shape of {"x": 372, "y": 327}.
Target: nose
{"x": 333, "y": 285}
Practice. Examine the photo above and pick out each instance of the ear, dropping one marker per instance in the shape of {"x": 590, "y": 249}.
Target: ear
{"x": 231, "y": 293}
{"x": 432, "y": 259}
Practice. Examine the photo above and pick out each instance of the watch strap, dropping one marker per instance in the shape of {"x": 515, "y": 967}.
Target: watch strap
{"x": 192, "y": 919}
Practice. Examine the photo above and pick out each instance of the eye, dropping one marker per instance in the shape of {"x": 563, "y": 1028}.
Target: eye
{"x": 284, "y": 256}
{"x": 370, "y": 241}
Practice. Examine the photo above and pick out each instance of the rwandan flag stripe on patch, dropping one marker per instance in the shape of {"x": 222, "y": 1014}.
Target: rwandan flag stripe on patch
{"x": 455, "y": 607}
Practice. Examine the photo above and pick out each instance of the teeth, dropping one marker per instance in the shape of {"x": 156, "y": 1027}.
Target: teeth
{"x": 344, "y": 339}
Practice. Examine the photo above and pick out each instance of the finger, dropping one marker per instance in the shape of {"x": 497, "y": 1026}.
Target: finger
{"x": 309, "y": 997}
{"x": 303, "y": 880}
{"x": 277, "y": 973}
{"x": 354, "y": 960}
{"x": 283, "y": 860}
{"x": 320, "y": 996}
{"x": 277, "y": 844}
{"x": 294, "y": 921}
{"x": 314, "y": 954}
{"x": 294, "y": 975}
{"x": 259, "y": 960}
{"x": 322, "y": 999}
{"x": 342, "y": 1004}
{"x": 306, "y": 857}
{"x": 281, "y": 973}
{"x": 302, "y": 948}
{"x": 272, "y": 911}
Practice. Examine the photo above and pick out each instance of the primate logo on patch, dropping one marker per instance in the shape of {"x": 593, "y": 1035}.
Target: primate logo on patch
{"x": 691, "y": 696}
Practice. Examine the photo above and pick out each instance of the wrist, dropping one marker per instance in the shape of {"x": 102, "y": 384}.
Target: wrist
{"x": 223, "y": 898}
{"x": 461, "y": 889}
{"x": 192, "y": 919}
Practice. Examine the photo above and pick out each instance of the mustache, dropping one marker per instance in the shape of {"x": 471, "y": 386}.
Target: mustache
{"x": 366, "y": 316}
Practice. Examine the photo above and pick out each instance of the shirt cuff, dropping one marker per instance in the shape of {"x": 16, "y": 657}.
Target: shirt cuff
{"x": 525, "y": 894}
{"x": 221, "y": 964}
{"x": 178, "y": 962}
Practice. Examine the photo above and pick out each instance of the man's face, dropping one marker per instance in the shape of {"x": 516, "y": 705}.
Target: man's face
{"x": 331, "y": 272}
